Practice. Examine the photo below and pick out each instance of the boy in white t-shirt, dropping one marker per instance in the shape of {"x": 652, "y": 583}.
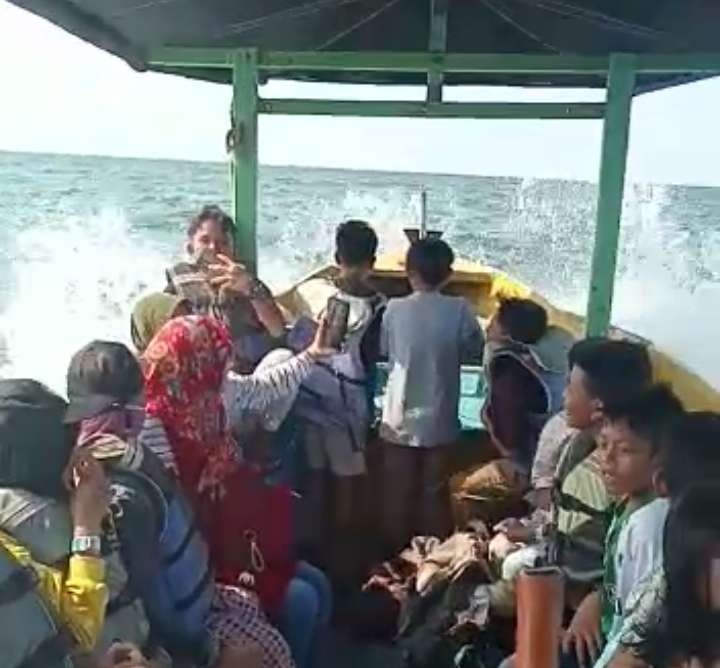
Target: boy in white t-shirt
{"x": 426, "y": 336}
{"x": 690, "y": 457}
{"x": 633, "y": 544}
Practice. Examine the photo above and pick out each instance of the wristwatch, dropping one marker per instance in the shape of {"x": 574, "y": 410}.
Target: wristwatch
{"x": 86, "y": 545}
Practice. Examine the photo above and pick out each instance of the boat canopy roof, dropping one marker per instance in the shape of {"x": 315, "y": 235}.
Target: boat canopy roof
{"x": 135, "y": 29}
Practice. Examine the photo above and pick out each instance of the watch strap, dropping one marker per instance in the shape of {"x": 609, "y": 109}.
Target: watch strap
{"x": 90, "y": 545}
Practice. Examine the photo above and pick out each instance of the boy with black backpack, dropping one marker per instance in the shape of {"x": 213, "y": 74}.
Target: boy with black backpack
{"x": 49, "y": 613}
{"x": 166, "y": 558}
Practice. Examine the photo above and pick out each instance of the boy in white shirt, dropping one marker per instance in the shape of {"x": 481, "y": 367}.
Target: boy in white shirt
{"x": 633, "y": 544}
{"x": 690, "y": 458}
{"x": 426, "y": 337}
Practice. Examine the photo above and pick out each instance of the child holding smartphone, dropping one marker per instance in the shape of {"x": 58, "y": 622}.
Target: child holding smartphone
{"x": 334, "y": 401}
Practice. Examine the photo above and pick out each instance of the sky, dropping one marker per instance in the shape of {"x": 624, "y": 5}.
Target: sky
{"x": 61, "y": 95}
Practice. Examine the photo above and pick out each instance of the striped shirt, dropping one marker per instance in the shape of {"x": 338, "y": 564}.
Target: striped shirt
{"x": 154, "y": 437}
{"x": 270, "y": 391}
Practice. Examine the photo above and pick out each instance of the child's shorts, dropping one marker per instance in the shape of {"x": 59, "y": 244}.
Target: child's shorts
{"x": 331, "y": 447}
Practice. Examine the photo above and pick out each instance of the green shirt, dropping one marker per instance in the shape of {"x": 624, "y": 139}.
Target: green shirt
{"x": 621, "y": 513}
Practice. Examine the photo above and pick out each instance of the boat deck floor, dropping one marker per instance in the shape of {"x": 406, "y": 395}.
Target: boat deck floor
{"x": 340, "y": 651}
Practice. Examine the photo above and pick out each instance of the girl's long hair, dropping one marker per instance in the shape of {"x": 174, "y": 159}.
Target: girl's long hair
{"x": 688, "y": 628}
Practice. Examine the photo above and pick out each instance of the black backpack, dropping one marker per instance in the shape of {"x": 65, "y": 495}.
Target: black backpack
{"x": 166, "y": 557}
{"x": 35, "y": 444}
{"x": 431, "y": 635}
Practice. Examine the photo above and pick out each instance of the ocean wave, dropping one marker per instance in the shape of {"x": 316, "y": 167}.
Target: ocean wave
{"x": 71, "y": 269}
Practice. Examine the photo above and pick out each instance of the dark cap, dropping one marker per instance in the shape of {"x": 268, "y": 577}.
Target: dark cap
{"x": 101, "y": 374}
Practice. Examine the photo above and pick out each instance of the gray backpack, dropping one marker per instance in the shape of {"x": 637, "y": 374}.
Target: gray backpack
{"x": 30, "y": 636}
{"x": 44, "y": 527}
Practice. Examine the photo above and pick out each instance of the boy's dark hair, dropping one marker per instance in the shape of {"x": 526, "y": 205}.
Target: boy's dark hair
{"x": 432, "y": 260}
{"x": 647, "y": 414}
{"x": 615, "y": 370}
{"x": 690, "y": 451}
{"x": 579, "y": 347}
{"x": 356, "y": 243}
{"x": 212, "y": 212}
{"x": 523, "y": 319}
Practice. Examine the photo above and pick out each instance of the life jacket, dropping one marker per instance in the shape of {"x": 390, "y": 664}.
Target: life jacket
{"x": 166, "y": 557}
{"x": 337, "y": 391}
{"x": 250, "y": 339}
{"x": 30, "y": 634}
{"x": 44, "y": 527}
{"x": 546, "y": 361}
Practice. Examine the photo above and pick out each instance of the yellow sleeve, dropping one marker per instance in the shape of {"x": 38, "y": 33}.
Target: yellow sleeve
{"x": 83, "y": 597}
{"x": 78, "y": 599}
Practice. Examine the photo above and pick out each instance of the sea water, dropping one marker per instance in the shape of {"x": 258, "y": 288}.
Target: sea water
{"x": 83, "y": 237}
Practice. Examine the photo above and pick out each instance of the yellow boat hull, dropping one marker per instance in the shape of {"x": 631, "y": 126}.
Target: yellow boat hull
{"x": 483, "y": 287}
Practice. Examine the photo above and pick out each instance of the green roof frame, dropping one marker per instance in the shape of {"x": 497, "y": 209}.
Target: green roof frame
{"x": 437, "y": 43}
{"x": 250, "y": 65}
{"x": 277, "y": 61}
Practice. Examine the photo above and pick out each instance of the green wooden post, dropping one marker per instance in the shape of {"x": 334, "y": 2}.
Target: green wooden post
{"x": 437, "y": 43}
{"x": 245, "y": 161}
{"x": 616, "y": 128}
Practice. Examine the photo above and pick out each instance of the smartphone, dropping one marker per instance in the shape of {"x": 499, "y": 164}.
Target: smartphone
{"x": 337, "y": 315}
{"x": 204, "y": 259}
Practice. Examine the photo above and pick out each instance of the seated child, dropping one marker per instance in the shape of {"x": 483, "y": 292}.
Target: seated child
{"x": 525, "y": 365}
{"x": 573, "y": 534}
{"x": 689, "y": 457}
{"x": 526, "y": 371}
{"x": 686, "y": 631}
{"x": 426, "y": 337}
{"x": 630, "y": 460}
{"x": 602, "y": 372}
{"x": 76, "y": 596}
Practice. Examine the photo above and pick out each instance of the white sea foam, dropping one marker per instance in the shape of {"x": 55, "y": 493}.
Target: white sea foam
{"x": 73, "y": 281}
{"x": 77, "y": 278}
{"x": 659, "y": 292}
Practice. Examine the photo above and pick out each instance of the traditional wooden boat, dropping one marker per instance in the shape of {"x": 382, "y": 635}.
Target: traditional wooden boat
{"x": 627, "y": 48}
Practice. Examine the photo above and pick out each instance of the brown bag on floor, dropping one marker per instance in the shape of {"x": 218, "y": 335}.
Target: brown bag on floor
{"x": 489, "y": 492}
